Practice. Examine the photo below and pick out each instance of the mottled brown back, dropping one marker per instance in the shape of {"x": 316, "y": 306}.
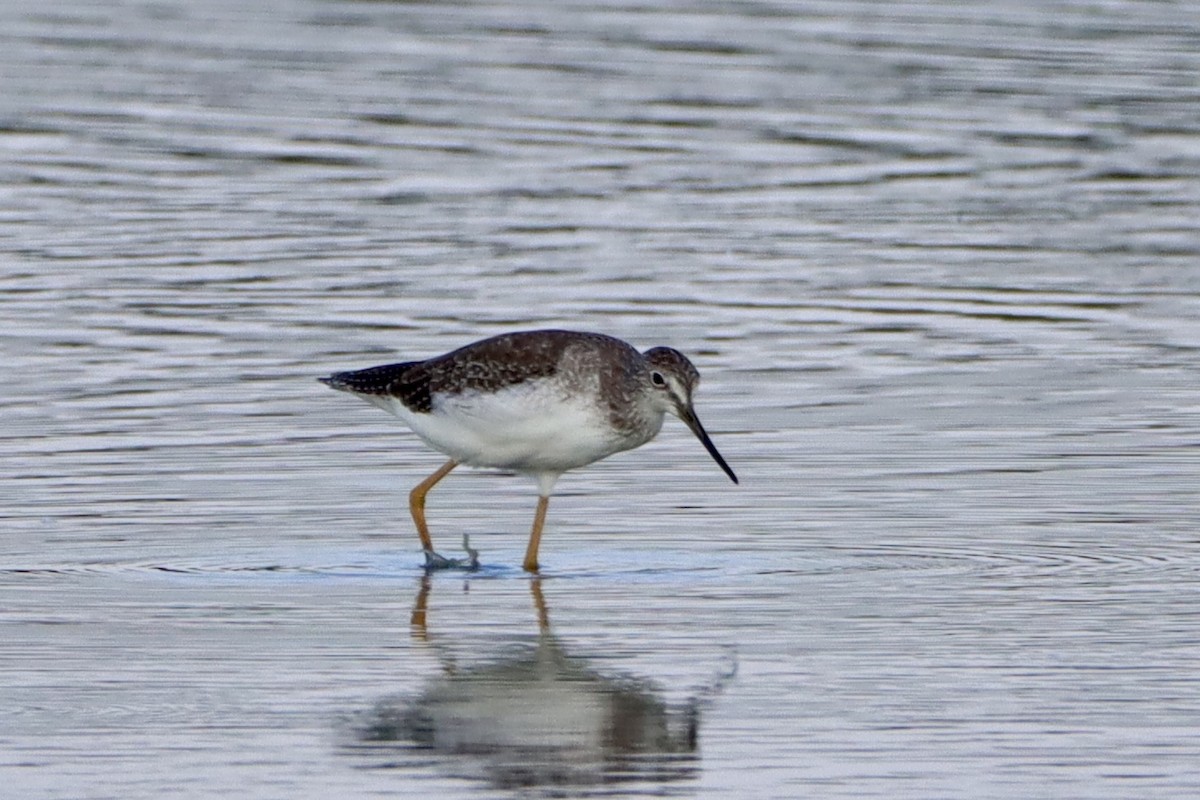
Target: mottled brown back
{"x": 487, "y": 366}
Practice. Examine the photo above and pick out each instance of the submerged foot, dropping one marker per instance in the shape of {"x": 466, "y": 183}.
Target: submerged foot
{"x": 469, "y": 562}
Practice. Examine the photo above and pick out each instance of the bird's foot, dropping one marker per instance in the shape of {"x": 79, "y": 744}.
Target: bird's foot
{"x": 470, "y": 562}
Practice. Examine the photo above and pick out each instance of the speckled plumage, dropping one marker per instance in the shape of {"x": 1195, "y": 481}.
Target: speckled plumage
{"x": 539, "y": 402}
{"x": 514, "y": 358}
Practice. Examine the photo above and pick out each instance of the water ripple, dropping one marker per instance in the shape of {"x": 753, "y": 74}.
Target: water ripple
{"x": 936, "y": 263}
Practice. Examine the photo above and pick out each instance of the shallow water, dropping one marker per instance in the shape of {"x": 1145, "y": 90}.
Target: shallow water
{"x": 937, "y": 264}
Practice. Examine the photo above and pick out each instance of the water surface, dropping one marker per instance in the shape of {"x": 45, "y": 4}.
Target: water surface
{"x": 937, "y": 266}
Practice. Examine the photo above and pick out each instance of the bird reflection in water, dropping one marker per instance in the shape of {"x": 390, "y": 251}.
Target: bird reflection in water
{"x": 539, "y": 717}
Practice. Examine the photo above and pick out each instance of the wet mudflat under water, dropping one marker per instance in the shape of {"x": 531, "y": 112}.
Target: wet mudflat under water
{"x": 936, "y": 263}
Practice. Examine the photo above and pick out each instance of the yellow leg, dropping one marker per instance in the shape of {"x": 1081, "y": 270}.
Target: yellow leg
{"x": 416, "y": 502}
{"x": 535, "y": 537}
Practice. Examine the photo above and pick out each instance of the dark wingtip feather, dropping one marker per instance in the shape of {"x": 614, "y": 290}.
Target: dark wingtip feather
{"x": 382, "y": 380}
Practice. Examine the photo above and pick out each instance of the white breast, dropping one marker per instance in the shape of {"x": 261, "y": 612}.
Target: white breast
{"x": 530, "y": 427}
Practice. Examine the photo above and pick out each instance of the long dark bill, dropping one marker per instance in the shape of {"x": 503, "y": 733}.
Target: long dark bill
{"x": 689, "y": 417}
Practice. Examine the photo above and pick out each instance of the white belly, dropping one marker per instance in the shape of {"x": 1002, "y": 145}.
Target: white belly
{"x": 530, "y": 427}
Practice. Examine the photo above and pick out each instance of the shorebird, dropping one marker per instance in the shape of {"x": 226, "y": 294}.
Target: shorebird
{"x": 536, "y": 402}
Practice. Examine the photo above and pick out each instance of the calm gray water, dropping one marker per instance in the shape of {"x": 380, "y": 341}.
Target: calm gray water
{"x": 939, "y": 264}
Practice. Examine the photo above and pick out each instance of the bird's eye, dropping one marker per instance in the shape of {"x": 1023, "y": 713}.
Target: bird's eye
{"x": 657, "y": 379}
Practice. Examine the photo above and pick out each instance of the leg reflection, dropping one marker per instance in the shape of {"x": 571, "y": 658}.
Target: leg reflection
{"x": 526, "y": 712}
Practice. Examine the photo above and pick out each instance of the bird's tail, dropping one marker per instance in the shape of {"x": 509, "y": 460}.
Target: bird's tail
{"x": 373, "y": 380}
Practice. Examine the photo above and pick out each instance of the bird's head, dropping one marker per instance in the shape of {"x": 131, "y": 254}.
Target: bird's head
{"x": 672, "y": 380}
